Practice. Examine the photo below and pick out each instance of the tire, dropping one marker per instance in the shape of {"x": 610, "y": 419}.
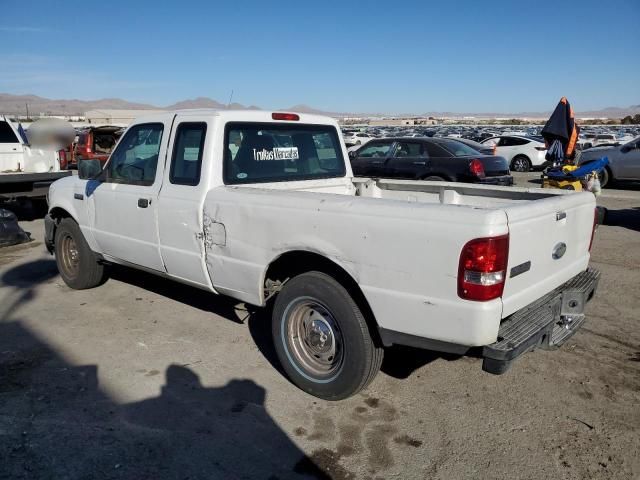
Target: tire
{"x": 520, "y": 163}
{"x": 77, "y": 264}
{"x": 605, "y": 177}
{"x": 434, "y": 178}
{"x": 322, "y": 338}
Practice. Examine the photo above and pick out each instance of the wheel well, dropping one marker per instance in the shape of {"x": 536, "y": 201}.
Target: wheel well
{"x": 59, "y": 213}
{"x": 296, "y": 262}
{"x": 446, "y": 178}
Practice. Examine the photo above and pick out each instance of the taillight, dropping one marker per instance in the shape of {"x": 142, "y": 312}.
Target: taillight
{"x": 595, "y": 227}
{"x": 476, "y": 168}
{"x": 495, "y": 148}
{"x": 483, "y": 268}
{"x": 62, "y": 157}
{"x": 285, "y": 116}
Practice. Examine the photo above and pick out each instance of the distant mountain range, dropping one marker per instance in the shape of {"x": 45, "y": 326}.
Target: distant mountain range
{"x": 17, "y": 105}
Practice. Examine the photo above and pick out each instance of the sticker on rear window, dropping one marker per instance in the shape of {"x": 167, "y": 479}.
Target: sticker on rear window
{"x": 276, "y": 153}
{"x": 241, "y": 175}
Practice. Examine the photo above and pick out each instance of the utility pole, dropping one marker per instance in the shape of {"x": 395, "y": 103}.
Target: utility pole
{"x": 230, "y": 98}
{"x": 27, "y": 107}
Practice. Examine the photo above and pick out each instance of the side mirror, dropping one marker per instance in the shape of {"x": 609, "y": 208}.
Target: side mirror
{"x": 353, "y": 154}
{"x": 627, "y": 148}
{"x": 88, "y": 169}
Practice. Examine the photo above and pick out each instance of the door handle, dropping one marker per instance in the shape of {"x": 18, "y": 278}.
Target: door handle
{"x": 377, "y": 163}
{"x": 419, "y": 163}
{"x": 143, "y": 202}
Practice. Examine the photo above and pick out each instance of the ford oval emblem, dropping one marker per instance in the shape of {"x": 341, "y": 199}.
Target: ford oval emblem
{"x": 559, "y": 250}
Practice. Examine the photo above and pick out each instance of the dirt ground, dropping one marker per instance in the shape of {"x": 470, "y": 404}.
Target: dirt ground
{"x": 143, "y": 378}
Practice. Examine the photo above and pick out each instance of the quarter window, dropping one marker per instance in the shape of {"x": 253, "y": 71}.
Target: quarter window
{"x": 135, "y": 159}
{"x": 186, "y": 162}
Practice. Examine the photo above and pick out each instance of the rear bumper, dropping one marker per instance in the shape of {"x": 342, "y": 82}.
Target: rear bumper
{"x": 19, "y": 184}
{"x": 503, "y": 180}
{"x": 546, "y": 323}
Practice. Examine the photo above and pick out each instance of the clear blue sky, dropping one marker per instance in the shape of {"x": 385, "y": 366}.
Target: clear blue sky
{"x": 392, "y": 56}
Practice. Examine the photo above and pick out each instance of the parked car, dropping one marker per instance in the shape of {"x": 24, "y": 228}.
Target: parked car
{"x": 624, "y": 161}
{"x": 432, "y": 159}
{"x": 357, "y": 138}
{"x": 483, "y": 149}
{"x": 96, "y": 143}
{"x": 522, "y": 153}
{"x": 604, "y": 139}
{"x": 351, "y": 265}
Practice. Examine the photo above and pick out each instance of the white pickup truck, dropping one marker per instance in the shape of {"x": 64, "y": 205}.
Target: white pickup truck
{"x": 263, "y": 207}
{"x": 26, "y": 171}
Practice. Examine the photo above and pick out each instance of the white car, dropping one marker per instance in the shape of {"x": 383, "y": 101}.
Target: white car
{"x": 283, "y": 222}
{"x": 357, "y": 138}
{"x": 522, "y": 153}
{"x": 604, "y": 139}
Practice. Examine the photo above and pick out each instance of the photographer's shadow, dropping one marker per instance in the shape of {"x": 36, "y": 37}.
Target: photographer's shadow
{"x": 214, "y": 429}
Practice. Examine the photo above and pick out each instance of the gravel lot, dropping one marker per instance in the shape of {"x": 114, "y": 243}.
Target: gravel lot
{"x": 144, "y": 378}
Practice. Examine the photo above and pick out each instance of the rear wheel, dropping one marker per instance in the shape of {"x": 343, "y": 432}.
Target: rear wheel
{"x": 322, "y": 338}
{"x": 520, "y": 163}
{"x": 77, "y": 264}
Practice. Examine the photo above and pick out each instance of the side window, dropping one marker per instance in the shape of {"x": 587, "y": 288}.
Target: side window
{"x": 6, "y": 134}
{"x": 135, "y": 159}
{"x": 410, "y": 149}
{"x": 505, "y": 142}
{"x": 519, "y": 141}
{"x": 375, "y": 150}
{"x": 186, "y": 162}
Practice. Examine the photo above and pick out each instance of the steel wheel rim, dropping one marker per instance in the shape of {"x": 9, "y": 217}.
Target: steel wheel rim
{"x": 69, "y": 256}
{"x": 313, "y": 339}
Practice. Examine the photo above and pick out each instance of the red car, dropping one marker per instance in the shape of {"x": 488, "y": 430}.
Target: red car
{"x": 96, "y": 143}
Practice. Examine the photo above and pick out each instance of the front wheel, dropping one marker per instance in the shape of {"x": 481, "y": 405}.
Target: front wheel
{"x": 605, "y": 177}
{"x": 322, "y": 338}
{"x": 77, "y": 264}
{"x": 520, "y": 164}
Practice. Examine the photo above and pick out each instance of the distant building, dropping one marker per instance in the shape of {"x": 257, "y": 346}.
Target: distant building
{"x": 115, "y": 117}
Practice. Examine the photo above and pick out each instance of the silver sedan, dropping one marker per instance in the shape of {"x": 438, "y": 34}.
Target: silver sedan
{"x": 624, "y": 161}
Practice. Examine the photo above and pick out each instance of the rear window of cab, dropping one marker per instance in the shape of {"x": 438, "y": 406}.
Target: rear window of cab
{"x": 274, "y": 152}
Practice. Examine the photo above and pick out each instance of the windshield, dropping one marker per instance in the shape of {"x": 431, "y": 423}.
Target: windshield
{"x": 271, "y": 152}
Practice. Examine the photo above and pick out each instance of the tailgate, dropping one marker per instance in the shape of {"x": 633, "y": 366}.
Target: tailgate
{"x": 548, "y": 245}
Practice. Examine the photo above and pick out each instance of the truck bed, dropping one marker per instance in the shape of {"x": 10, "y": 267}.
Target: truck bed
{"x": 401, "y": 241}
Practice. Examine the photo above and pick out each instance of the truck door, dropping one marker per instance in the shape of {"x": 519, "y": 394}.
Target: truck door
{"x": 11, "y": 150}
{"x": 180, "y": 203}
{"x": 123, "y": 206}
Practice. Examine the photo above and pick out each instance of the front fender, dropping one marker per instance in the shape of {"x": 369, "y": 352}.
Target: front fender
{"x": 68, "y": 198}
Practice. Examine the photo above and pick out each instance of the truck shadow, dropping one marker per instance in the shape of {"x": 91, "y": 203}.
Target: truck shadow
{"x": 257, "y": 319}
{"x": 57, "y": 422}
{"x": 626, "y": 217}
